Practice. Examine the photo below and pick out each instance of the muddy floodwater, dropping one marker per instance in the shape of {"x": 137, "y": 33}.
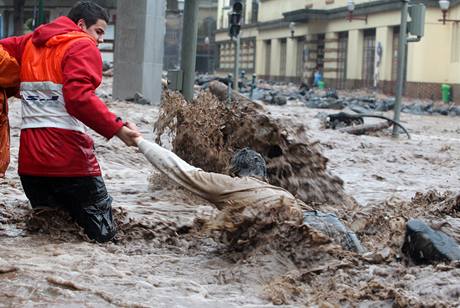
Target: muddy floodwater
{"x": 158, "y": 260}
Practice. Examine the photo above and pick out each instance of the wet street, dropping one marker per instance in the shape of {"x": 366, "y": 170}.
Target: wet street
{"x": 46, "y": 262}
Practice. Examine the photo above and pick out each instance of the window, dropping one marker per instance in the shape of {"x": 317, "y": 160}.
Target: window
{"x": 320, "y": 51}
{"x": 226, "y": 51}
{"x": 300, "y": 56}
{"x": 342, "y": 60}
{"x": 368, "y": 58}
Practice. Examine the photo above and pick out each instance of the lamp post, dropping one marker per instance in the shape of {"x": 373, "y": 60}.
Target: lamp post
{"x": 292, "y": 29}
{"x": 236, "y": 18}
{"x": 401, "y": 65}
{"x": 188, "y": 52}
{"x": 351, "y": 8}
{"x": 444, "y": 5}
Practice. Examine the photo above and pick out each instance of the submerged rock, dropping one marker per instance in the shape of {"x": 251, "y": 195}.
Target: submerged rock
{"x": 425, "y": 245}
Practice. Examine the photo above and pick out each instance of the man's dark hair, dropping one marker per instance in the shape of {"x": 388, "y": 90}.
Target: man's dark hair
{"x": 89, "y": 11}
{"x": 247, "y": 162}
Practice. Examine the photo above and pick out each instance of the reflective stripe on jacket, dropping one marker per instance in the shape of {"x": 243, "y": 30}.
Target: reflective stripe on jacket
{"x": 43, "y": 103}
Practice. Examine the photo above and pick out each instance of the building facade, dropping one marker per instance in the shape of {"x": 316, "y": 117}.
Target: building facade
{"x": 206, "y": 46}
{"x": 289, "y": 40}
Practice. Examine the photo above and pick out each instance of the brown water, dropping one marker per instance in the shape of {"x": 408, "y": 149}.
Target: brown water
{"x": 162, "y": 260}
{"x": 207, "y": 132}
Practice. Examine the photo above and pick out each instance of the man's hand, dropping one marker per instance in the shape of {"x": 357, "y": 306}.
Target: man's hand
{"x": 128, "y": 134}
{"x": 133, "y": 126}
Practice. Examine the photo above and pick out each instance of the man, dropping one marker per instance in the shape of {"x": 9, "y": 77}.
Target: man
{"x": 9, "y": 78}
{"x": 61, "y": 67}
{"x": 247, "y": 203}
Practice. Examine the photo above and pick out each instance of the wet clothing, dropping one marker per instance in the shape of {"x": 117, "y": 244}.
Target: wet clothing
{"x": 9, "y": 77}
{"x": 255, "y": 197}
{"x": 84, "y": 198}
{"x": 220, "y": 189}
{"x": 61, "y": 67}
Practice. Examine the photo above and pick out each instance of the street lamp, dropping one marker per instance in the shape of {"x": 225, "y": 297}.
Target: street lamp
{"x": 292, "y": 29}
{"x": 444, "y": 5}
{"x": 351, "y": 8}
{"x": 180, "y": 5}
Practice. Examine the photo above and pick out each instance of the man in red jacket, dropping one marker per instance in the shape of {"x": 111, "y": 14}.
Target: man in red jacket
{"x": 61, "y": 67}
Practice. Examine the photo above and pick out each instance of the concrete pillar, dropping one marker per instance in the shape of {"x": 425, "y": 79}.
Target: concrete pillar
{"x": 291, "y": 57}
{"x": 275, "y": 58}
{"x": 188, "y": 52}
{"x": 138, "y": 59}
{"x": 355, "y": 54}
{"x": 384, "y": 36}
{"x": 260, "y": 58}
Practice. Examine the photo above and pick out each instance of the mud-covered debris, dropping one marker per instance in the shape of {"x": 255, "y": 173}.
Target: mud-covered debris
{"x": 207, "y": 132}
{"x": 354, "y": 123}
{"x": 384, "y": 225}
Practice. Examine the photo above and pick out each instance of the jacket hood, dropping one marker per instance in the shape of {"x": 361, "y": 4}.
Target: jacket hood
{"x": 59, "y": 26}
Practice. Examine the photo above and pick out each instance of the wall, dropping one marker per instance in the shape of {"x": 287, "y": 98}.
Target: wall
{"x": 274, "y": 9}
{"x": 431, "y": 62}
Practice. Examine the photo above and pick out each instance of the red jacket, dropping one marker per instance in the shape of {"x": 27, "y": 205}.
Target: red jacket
{"x": 50, "y": 151}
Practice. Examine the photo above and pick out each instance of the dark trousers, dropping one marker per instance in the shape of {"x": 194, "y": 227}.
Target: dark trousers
{"x": 84, "y": 198}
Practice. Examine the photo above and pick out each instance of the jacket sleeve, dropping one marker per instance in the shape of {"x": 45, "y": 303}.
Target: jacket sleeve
{"x": 9, "y": 70}
{"x": 82, "y": 74}
{"x": 188, "y": 176}
{"x": 15, "y": 45}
